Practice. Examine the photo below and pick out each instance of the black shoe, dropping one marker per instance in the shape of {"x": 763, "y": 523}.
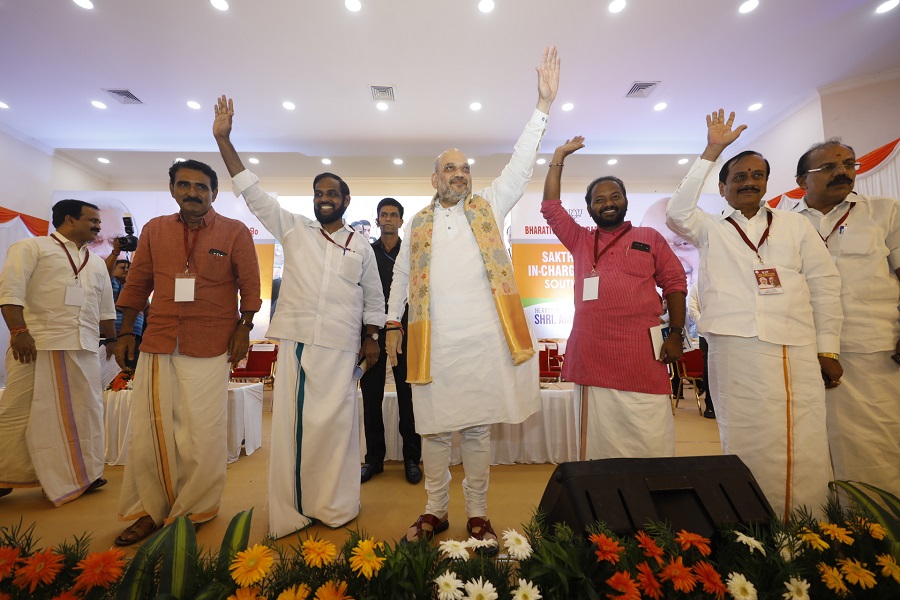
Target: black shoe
{"x": 5, "y": 492}
{"x": 96, "y": 485}
{"x": 710, "y": 412}
{"x": 368, "y": 471}
{"x": 413, "y": 472}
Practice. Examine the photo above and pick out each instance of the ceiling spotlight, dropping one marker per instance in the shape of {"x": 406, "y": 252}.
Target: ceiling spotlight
{"x": 616, "y": 6}
{"x": 382, "y": 106}
{"x": 471, "y": 161}
{"x": 748, "y": 6}
{"x": 353, "y": 5}
{"x": 84, "y": 3}
{"x": 542, "y": 161}
{"x": 179, "y": 159}
{"x": 219, "y": 4}
{"x": 326, "y": 161}
{"x": 289, "y": 105}
{"x": 253, "y": 160}
{"x": 105, "y": 161}
{"x": 612, "y": 161}
{"x": 660, "y": 106}
{"x": 98, "y": 104}
{"x": 194, "y": 105}
{"x": 682, "y": 161}
{"x": 475, "y": 106}
{"x": 4, "y": 105}
{"x": 398, "y": 161}
{"x": 758, "y": 105}
{"x": 486, "y": 6}
{"x": 568, "y": 106}
{"x": 886, "y": 6}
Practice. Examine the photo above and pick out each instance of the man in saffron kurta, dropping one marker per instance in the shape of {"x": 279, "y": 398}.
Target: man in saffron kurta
{"x": 467, "y": 369}
{"x": 624, "y": 385}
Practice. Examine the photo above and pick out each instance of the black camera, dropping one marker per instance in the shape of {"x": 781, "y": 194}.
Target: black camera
{"x": 129, "y": 241}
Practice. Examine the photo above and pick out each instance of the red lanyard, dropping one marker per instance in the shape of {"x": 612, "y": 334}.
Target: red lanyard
{"x": 189, "y": 250}
{"x": 75, "y": 269}
{"x": 762, "y": 239}
{"x": 608, "y": 246}
{"x": 344, "y": 248}
{"x": 838, "y": 224}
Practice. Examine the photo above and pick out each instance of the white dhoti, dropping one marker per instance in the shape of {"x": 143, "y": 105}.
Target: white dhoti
{"x": 314, "y": 462}
{"x": 770, "y": 408}
{"x": 51, "y": 424}
{"x": 864, "y": 421}
{"x": 621, "y": 424}
{"x": 178, "y": 449}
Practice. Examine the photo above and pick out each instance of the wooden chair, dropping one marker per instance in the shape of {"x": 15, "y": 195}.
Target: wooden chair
{"x": 690, "y": 370}
{"x": 260, "y": 365}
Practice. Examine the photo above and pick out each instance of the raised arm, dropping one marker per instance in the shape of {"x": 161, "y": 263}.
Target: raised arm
{"x": 719, "y": 134}
{"x": 554, "y": 173}
{"x": 548, "y": 80}
{"x": 222, "y": 132}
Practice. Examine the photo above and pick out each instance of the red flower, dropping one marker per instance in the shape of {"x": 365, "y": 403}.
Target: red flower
{"x": 681, "y": 577}
{"x": 692, "y": 539}
{"x": 100, "y": 569}
{"x": 621, "y": 581}
{"x": 647, "y": 580}
{"x": 40, "y": 567}
{"x": 648, "y": 545}
{"x": 710, "y": 578}
{"x": 9, "y": 558}
{"x": 608, "y": 548}
{"x": 66, "y": 595}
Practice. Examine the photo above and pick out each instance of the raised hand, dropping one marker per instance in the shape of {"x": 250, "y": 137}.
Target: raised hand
{"x": 719, "y": 134}
{"x": 573, "y": 145}
{"x": 224, "y": 113}
{"x": 548, "y": 79}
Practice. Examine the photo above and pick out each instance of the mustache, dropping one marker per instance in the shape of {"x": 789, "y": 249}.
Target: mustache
{"x": 748, "y": 188}
{"x": 840, "y": 179}
{"x": 197, "y": 200}
{"x": 458, "y": 179}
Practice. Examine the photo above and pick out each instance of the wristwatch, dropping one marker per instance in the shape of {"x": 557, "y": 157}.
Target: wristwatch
{"x": 678, "y": 330}
{"x": 372, "y": 336}
{"x": 246, "y": 323}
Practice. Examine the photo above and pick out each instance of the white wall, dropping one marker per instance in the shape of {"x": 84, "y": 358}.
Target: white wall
{"x": 866, "y": 117}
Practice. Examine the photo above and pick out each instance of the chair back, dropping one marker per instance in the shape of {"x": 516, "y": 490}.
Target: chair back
{"x": 692, "y": 363}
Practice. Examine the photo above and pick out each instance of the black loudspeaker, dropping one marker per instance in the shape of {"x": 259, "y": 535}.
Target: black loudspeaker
{"x": 691, "y": 492}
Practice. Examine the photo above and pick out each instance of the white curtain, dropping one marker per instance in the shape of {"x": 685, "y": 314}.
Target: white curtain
{"x": 884, "y": 179}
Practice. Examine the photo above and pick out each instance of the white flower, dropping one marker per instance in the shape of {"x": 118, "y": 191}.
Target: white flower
{"x": 788, "y": 547}
{"x": 526, "y": 589}
{"x": 516, "y": 544}
{"x": 740, "y": 588}
{"x": 797, "y": 588}
{"x": 449, "y": 587}
{"x": 475, "y": 543}
{"x": 753, "y": 543}
{"x": 454, "y": 549}
{"x": 480, "y": 590}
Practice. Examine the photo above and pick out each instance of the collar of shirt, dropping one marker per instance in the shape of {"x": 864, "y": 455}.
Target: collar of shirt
{"x": 66, "y": 240}
{"x": 344, "y": 227}
{"x": 738, "y": 216}
{"x": 801, "y": 205}
{"x": 205, "y": 220}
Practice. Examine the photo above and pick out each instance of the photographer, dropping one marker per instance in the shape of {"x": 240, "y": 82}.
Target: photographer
{"x": 118, "y": 272}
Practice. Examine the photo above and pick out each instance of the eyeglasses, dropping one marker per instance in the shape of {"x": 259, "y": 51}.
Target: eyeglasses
{"x": 847, "y": 165}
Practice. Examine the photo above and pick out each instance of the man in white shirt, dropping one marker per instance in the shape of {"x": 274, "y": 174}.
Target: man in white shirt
{"x": 770, "y": 345}
{"x": 470, "y": 351}
{"x": 55, "y": 297}
{"x": 863, "y": 236}
{"x": 330, "y": 288}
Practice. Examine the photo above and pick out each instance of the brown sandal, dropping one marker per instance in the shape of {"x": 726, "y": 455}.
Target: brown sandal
{"x": 485, "y": 533}
{"x": 437, "y": 526}
{"x": 137, "y": 531}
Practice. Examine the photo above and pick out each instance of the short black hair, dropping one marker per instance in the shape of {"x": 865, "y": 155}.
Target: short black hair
{"x": 590, "y": 187}
{"x": 195, "y": 165}
{"x": 803, "y": 163}
{"x": 123, "y": 261}
{"x": 390, "y": 202}
{"x": 69, "y": 208}
{"x": 345, "y": 189}
{"x": 723, "y": 172}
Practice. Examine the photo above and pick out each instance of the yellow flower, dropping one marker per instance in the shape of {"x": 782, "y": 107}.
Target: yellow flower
{"x": 856, "y": 573}
{"x": 876, "y": 531}
{"x": 333, "y": 590}
{"x": 833, "y": 579}
{"x": 836, "y": 532}
{"x": 318, "y": 553}
{"x": 251, "y": 565}
{"x": 246, "y": 593}
{"x": 364, "y": 558}
{"x": 295, "y": 592}
{"x": 813, "y": 539}
{"x": 888, "y": 566}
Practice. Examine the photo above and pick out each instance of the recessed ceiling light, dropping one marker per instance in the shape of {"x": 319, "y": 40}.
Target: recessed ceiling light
{"x": 194, "y": 105}
{"x": 253, "y": 160}
{"x": 84, "y": 3}
{"x": 179, "y": 159}
{"x": 97, "y": 104}
{"x": 486, "y": 6}
{"x": 475, "y": 106}
{"x": 660, "y": 106}
{"x": 682, "y": 161}
{"x": 612, "y": 161}
{"x": 353, "y": 5}
{"x": 886, "y": 6}
{"x": 398, "y": 161}
{"x": 382, "y": 106}
{"x": 471, "y": 161}
{"x": 542, "y": 161}
{"x": 568, "y": 106}
{"x": 4, "y": 105}
{"x": 219, "y": 4}
{"x": 748, "y": 6}
{"x": 289, "y": 105}
{"x": 758, "y": 105}
{"x": 105, "y": 161}
{"x": 326, "y": 161}
{"x": 616, "y": 6}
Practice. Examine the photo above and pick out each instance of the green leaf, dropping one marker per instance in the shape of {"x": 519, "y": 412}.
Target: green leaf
{"x": 216, "y": 590}
{"x": 236, "y": 538}
{"x": 136, "y": 580}
{"x": 179, "y": 557}
{"x": 890, "y": 523}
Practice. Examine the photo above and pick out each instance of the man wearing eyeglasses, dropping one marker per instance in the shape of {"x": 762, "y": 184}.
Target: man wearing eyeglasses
{"x": 863, "y": 236}
{"x": 772, "y": 317}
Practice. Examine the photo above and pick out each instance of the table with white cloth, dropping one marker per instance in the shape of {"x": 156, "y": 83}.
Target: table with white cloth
{"x": 551, "y": 435}
{"x": 244, "y": 416}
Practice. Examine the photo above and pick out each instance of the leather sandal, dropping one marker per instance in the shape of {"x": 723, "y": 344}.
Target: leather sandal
{"x": 484, "y": 533}
{"x": 96, "y": 484}
{"x": 137, "y": 531}
{"x": 437, "y": 526}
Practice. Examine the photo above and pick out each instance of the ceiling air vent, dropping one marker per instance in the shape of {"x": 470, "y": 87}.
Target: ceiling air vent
{"x": 641, "y": 89}
{"x": 124, "y": 96}
{"x": 382, "y": 93}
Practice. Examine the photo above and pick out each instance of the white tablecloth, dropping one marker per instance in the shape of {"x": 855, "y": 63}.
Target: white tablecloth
{"x": 549, "y": 436}
{"x": 245, "y": 401}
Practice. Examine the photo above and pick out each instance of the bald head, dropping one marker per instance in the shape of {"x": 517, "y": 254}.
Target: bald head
{"x": 451, "y": 177}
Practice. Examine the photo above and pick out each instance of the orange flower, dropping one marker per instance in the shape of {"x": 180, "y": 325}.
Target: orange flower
{"x": 710, "y": 578}
{"x": 648, "y": 545}
{"x": 621, "y": 581}
{"x": 699, "y": 542}
{"x": 40, "y": 567}
{"x": 647, "y": 580}
{"x": 99, "y": 569}
{"x": 833, "y": 579}
{"x": 66, "y": 595}
{"x": 836, "y": 533}
{"x": 888, "y": 566}
{"x": 333, "y": 590}
{"x": 246, "y": 593}
{"x": 608, "y": 548}
{"x": 9, "y": 558}
{"x": 318, "y": 553}
{"x": 856, "y": 573}
{"x": 681, "y": 577}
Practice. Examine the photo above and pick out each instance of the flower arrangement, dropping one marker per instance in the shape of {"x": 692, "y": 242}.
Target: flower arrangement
{"x": 852, "y": 553}
{"x": 122, "y": 381}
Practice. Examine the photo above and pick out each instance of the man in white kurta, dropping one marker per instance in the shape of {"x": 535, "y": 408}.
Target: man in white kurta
{"x": 56, "y": 296}
{"x": 475, "y": 382}
{"x": 768, "y": 351}
{"x": 330, "y": 288}
{"x": 863, "y": 236}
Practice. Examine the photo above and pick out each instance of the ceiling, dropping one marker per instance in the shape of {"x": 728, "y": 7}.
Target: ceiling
{"x": 55, "y": 58}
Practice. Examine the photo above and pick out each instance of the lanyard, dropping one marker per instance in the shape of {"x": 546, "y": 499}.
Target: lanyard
{"x": 608, "y": 246}
{"x": 344, "y": 248}
{"x": 75, "y": 270}
{"x": 838, "y": 224}
{"x": 189, "y": 250}
{"x": 762, "y": 239}
{"x": 386, "y": 253}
